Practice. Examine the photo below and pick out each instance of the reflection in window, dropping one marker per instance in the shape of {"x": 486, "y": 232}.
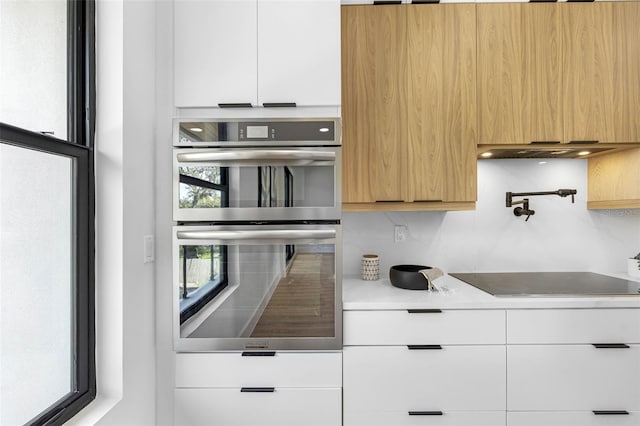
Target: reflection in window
{"x": 203, "y": 276}
{"x": 203, "y": 187}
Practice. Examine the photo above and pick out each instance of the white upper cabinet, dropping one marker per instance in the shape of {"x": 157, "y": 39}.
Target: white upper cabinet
{"x": 215, "y": 52}
{"x": 256, "y": 52}
{"x": 299, "y": 52}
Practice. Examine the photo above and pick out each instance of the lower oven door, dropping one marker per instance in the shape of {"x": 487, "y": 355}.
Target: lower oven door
{"x": 248, "y": 184}
{"x": 257, "y": 287}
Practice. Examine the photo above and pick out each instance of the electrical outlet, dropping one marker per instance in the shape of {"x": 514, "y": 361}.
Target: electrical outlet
{"x": 400, "y": 233}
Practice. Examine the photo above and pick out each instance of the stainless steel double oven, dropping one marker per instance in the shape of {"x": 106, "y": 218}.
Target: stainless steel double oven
{"x": 257, "y": 245}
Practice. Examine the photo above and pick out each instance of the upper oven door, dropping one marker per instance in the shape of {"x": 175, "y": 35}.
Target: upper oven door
{"x": 192, "y": 132}
{"x": 256, "y": 184}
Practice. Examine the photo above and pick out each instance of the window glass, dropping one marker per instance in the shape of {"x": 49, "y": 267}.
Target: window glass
{"x": 36, "y": 282}
{"x": 33, "y": 65}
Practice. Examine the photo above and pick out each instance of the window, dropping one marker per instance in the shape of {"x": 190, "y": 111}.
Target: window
{"x": 47, "y": 336}
{"x": 204, "y": 268}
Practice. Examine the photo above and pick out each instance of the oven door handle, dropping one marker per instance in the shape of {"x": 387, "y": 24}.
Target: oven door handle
{"x": 206, "y": 156}
{"x": 269, "y": 234}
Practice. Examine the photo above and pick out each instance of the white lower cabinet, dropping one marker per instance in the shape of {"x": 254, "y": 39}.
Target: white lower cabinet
{"x": 583, "y": 418}
{"x": 397, "y": 385}
{"x": 449, "y": 418}
{"x": 573, "y": 378}
{"x": 282, "y": 407}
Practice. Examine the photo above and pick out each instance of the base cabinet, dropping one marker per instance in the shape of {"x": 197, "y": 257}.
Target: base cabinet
{"x": 282, "y": 407}
{"x": 581, "y": 418}
{"x": 402, "y": 418}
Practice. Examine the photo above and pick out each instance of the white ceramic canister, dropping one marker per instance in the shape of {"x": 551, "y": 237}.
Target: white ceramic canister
{"x": 370, "y": 267}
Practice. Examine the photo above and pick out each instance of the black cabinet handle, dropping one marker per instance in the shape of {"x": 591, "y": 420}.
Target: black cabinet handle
{"x": 584, "y": 142}
{"x": 236, "y": 105}
{"x": 424, "y": 311}
{"x": 258, "y": 390}
{"x": 426, "y": 413}
{"x": 263, "y": 353}
{"x": 425, "y": 1}
{"x": 610, "y": 345}
{"x": 427, "y": 201}
{"x": 424, "y": 347}
{"x": 388, "y": 201}
{"x": 545, "y": 142}
{"x": 382, "y": 2}
{"x": 610, "y": 412}
{"x": 543, "y": 1}
{"x": 279, "y": 104}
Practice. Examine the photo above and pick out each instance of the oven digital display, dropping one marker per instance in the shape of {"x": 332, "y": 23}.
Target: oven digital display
{"x": 256, "y": 132}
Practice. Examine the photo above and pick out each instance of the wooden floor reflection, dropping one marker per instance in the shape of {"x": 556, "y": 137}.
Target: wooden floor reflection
{"x": 303, "y": 303}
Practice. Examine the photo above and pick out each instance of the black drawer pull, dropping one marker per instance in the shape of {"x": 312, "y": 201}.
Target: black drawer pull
{"x": 236, "y": 105}
{"x": 426, "y": 413}
{"x": 279, "y": 104}
{"x": 610, "y": 412}
{"x": 610, "y": 345}
{"x": 263, "y": 353}
{"x": 427, "y": 201}
{"x": 424, "y": 311}
{"x": 258, "y": 390}
{"x": 580, "y": 1}
{"x": 424, "y": 347}
{"x": 383, "y": 2}
{"x": 389, "y": 201}
{"x": 425, "y": 1}
{"x": 584, "y": 142}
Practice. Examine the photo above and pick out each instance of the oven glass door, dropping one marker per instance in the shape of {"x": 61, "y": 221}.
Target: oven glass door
{"x": 257, "y": 287}
{"x": 252, "y": 184}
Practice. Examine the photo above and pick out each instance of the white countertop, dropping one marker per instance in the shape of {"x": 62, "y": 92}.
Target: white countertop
{"x": 358, "y": 294}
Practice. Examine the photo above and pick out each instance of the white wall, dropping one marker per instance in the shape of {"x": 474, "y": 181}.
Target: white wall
{"x": 560, "y": 236}
{"x": 125, "y": 202}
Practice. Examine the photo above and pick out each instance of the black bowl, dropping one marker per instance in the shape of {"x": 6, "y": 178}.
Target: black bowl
{"x": 408, "y": 277}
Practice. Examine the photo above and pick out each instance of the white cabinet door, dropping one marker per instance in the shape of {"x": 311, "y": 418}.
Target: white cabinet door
{"x": 424, "y": 326}
{"x": 380, "y": 379}
{"x": 283, "y": 369}
{"x": 299, "y": 52}
{"x": 584, "y": 418}
{"x": 457, "y": 418}
{"x": 561, "y": 326}
{"x": 283, "y": 407}
{"x": 215, "y": 58}
{"x": 572, "y": 378}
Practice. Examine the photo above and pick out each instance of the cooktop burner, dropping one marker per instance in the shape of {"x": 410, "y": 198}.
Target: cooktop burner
{"x": 557, "y": 284}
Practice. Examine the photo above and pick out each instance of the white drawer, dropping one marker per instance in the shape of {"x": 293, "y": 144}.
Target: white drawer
{"x": 581, "y": 418}
{"x": 283, "y": 407}
{"x": 402, "y": 418}
{"x": 284, "y": 369}
{"x": 395, "y": 378}
{"x": 439, "y": 327}
{"x": 572, "y": 378}
{"x": 573, "y": 326}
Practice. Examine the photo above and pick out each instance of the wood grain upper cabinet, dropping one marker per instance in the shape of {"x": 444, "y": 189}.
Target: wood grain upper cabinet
{"x": 519, "y": 73}
{"x": 373, "y": 103}
{"x": 298, "y": 52}
{"x": 601, "y": 67}
{"x": 441, "y": 102}
{"x": 215, "y": 44}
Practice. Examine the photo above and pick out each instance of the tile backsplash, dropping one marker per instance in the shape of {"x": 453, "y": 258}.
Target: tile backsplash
{"x": 561, "y": 236}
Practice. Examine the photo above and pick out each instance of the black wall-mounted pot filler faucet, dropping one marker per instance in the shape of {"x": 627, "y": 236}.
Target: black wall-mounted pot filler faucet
{"x": 525, "y": 210}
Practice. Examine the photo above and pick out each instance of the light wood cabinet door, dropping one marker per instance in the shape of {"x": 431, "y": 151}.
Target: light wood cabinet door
{"x": 442, "y": 102}
{"x": 613, "y": 180}
{"x": 519, "y": 73}
{"x": 601, "y": 67}
{"x": 374, "y": 103}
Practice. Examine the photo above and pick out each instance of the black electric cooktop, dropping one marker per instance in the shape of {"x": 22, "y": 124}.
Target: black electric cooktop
{"x": 554, "y": 284}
